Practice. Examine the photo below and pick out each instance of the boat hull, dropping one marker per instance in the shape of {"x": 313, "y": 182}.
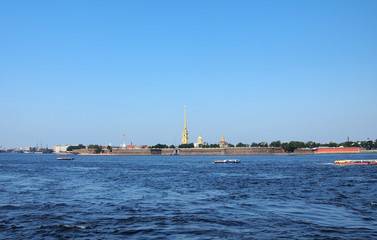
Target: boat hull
{"x": 355, "y": 162}
{"x": 65, "y": 158}
{"x": 227, "y": 161}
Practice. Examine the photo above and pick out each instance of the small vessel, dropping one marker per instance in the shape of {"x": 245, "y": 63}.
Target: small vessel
{"x": 65, "y": 158}
{"x": 355, "y": 162}
{"x": 227, "y": 161}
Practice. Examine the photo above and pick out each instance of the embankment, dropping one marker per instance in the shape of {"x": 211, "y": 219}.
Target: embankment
{"x": 187, "y": 151}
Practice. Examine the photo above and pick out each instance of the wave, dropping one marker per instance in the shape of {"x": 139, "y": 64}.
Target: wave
{"x": 64, "y": 226}
{"x": 10, "y": 207}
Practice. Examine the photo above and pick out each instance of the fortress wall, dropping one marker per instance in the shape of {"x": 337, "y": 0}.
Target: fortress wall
{"x": 303, "y": 151}
{"x": 218, "y": 151}
{"x": 201, "y": 151}
{"x": 83, "y": 151}
{"x": 167, "y": 151}
{"x": 249, "y": 151}
{"x": 186, "y": 151}
{"x": 227, "y": 151}
{"x": 122, "y": 151}
{"x": 338, "y": 150}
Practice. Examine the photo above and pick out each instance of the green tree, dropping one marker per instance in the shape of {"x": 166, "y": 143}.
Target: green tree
{"x": 284, "y": 146}
{"x": 97, "y": 148}
{"x": 211, "y": 146}
{"x": 368, "y": 145}
{"x": 293, "y": 145}
{"x": 160, "y": 146}
{"x": 349, "y": 144}
{"x": 73, "y": 147}
{"x": 263, "y": 144}
{"x": 240, "y": 144}
{"x": 190, "y": 145}
{"x": 110, "y": 148}
{"x": 312, "y": 144}
{"x": 275, "y": 144}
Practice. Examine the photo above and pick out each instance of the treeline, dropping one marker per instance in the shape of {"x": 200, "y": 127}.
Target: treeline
{"x": 292, "y": 145}
{"x": 287, "y": 146}
{"x": 80, "y": 146}
{"x": 97, "y": 148}
{"x": 164, "y": 146}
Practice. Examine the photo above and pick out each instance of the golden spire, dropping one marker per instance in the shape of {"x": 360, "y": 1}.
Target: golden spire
{"x": 185, "y": 118}
{"x": 185, "y": 139}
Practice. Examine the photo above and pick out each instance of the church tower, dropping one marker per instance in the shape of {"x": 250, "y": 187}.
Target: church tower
{"x": 185, "y": 139}
{"x": 223, "y": 143}
{"x": 200, "y": 140}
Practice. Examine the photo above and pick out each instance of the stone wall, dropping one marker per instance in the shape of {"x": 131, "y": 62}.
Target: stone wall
{"x": 201, "y": 151}
{"x": 338, "y": 150}
{"x": 83, "y": 151}
{"x": 187, "y": 151}
{"x": 249, "y": 151}
{"x": 304, "y": 151}
{"x": 131, "y": 151}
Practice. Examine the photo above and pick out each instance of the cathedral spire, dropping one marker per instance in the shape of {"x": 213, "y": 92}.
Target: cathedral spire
{"x": 185, "y": 139}
{"x": 185, "y": 118}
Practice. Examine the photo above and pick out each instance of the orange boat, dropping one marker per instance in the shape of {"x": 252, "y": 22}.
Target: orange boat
{"x": 355, "y": 162}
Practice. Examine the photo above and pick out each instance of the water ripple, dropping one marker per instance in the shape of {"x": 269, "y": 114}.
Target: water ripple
{"x": 263, "y": 197}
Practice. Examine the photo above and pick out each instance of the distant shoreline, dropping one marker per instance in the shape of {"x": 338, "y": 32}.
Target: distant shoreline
{"x": 275, "y": 154}
{"x": 248, "y": 151}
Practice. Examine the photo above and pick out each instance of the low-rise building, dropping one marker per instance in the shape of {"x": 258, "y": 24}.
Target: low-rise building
{"x": 60, "y": 148}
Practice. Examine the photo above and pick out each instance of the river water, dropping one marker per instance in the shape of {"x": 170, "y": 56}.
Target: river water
{"x": 186, "y": 197}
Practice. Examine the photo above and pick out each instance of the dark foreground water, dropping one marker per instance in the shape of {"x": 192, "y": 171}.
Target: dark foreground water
{"x": 263, "y": 197}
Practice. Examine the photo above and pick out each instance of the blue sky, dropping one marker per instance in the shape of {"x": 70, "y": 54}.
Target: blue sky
{"x": 88, "y": 71}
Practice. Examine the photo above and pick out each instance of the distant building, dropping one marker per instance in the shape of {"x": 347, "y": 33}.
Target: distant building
{"x": 131, "y": 146}
{"x": 60, "y": 148}
{"x": 223, "y": 143}
{"x": 200, "y": 140}
{"x": 199, "y": 143}
{"x": 28, "y": 149}
{"x": 124, "y": 142}
{"x": 185, "y": 136}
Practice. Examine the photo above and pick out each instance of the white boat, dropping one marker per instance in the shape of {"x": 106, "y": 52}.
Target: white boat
{"x": 227, "y": 161}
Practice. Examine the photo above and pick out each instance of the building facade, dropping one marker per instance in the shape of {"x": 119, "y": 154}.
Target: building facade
{"x": 60, "y": 148}
{"x": 223, "y": 143}
{"x": 200, "y": 140}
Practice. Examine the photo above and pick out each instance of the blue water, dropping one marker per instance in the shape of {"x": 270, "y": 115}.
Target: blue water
{"x": 186, "y": 197}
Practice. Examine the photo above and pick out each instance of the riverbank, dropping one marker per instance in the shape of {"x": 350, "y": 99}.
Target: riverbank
{"x": 220, "y": 151}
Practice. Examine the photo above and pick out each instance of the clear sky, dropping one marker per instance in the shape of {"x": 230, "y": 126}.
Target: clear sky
{"x": 88, "y": 71}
